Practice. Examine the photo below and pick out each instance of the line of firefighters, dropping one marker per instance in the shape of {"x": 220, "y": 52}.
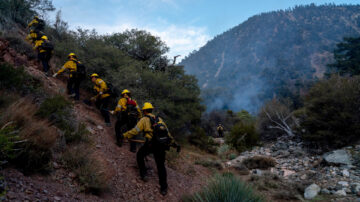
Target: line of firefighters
{"x": 131, "y": 121}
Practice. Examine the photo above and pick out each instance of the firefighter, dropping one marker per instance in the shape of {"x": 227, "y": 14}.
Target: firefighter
{"x": 102, "y": 97}
{"x": 73, "y": 84}
{"x": 128, "y": 113}
{"x": 220, "y": 130}
{"x": 44, "y": 50}
{"x": 153, "y": 127}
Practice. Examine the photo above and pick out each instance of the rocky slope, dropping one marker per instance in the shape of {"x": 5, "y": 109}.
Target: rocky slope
{"x": 336, "y": 173}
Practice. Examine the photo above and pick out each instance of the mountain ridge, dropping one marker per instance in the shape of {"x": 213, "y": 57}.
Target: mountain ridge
{"x": 236, "y": 69}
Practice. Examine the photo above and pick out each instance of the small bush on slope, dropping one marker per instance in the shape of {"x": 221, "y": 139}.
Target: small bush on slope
{"x": 225, "y": 188}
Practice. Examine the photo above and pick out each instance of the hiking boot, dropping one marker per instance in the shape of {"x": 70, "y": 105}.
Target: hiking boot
{"x": 163, "y": 191}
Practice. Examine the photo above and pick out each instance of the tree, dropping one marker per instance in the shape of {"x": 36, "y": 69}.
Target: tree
{"x": 347, "y": 58}
{"x": 276, "y": 118}
{"x": 141, "y": 45}
{"x": 331, "y": 114}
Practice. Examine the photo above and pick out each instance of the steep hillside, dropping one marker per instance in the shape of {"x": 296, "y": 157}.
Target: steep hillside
{"x": 270, "y": 53}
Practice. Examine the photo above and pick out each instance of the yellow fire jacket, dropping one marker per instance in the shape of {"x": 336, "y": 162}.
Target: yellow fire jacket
{"x": 144, "y": 125}
{"x": 122, "y": 106}
{"x": 38, "y": 47}
{"x": 31, "y": 38}
{"x": 101, "y": 88}
{"x": 33, "y": 22}
{"x": 69, "y": 65}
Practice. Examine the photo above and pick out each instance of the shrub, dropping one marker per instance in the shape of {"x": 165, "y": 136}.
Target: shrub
{"x": 242, "y": 136}
{"x": 331, "y": 114}
{"x": 58, "y": 110}
{"x": 36, "y": 137}
{"x": 226, "y": 188}
{"x": 172, "y": 158}
{"x": 210, "y": 163}
{"x": 261, "y": 162}
{"x": 79, "y": 159}
{"x": 199, "y": 139}
{"x": 17, "y": 79}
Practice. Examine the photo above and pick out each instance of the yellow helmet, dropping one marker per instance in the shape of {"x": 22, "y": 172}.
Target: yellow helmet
{"x": 94, "y": 75}
{"x": 36, "y": 17}
{"x": 72, "y": 55}
{"x": 44, "y": 37}
{"x": 125, "y": 91}
{"x": 147, "y": 105}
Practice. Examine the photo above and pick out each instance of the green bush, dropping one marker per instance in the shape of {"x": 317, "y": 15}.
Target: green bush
{"x": 16, "y": 79}
{"x": 243, "y": 136}
{"x": 199, "y": 139}
{"x": 78, "y": 159}
{"x": 331, "y": 114}
{"x": 225, "y": 188}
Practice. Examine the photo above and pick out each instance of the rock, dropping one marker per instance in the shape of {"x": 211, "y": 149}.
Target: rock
{"x": 343, "y": 183}
{"x": 242, "y": 169}
{"x": 337, "y": 157}
{"x": 99, "y": 127}
{"x": 90, "y": 130}
{"x": 219, "y": 141}
{"x": 340, "y": 193}
{"x": 303, "y": 177}
{"x": 325, "y": 191}
{"x": 355, "y": 188}
{"x": 56, "y": 165}
{"x": 57, "y": 198}
{"x": 257, "y": 172}
{"x": 345, "y": 173}
{"x": 312, "y": 191}
{"x": 7, "y": 58}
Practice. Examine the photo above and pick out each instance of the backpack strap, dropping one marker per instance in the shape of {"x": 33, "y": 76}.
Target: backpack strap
{"x": 153, "y": 121}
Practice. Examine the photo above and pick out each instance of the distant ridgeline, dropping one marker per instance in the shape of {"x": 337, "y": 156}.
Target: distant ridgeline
{"x": 271, "y": 54}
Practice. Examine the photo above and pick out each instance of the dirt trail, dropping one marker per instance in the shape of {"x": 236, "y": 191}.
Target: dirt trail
{"x": 119, "y": 163}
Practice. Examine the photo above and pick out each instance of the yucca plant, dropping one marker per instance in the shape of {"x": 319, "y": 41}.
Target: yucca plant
{"x": 225, "y": 188}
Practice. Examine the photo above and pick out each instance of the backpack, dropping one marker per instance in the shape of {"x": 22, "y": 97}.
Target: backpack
{"x": 161, "y": 135}
{"x": 80, "y": 70}
{"x": 112, "y": 90}
{"x": 47, "y": 45}
{"x": 40, "y": 25}
{"x": 131, "y": 108}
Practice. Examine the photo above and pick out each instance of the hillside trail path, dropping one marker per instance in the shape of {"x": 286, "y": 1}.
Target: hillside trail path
{"x": 118, "y": 163}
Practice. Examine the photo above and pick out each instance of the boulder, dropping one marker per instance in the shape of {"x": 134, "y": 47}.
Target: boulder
{"x": 337, "y": 157}
{"x": 219, "y": 141}
{"x": 312, "y": 191}
{"x": 340, "y": 193}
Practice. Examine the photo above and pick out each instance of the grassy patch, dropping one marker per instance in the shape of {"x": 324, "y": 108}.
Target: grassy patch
{"x": 210, "y": 163}
{"x": 32, "y": 139}
{"x": 225, "y": 188}
{"x": 79, "y": 160}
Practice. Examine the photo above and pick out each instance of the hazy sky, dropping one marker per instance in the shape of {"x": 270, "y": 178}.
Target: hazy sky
{"x": 184, "y": 25}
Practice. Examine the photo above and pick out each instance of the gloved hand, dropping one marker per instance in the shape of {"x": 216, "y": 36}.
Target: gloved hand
{"x": 54, "y": 75}
{"x": 112, "y": 112}
{"x": 93, "y": 99}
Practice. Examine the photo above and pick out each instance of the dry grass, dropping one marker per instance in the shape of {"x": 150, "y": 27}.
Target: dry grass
{"x": 261, "y": 162}
{"x": 80, "y": 159}
{"x": 37, "y": 136}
